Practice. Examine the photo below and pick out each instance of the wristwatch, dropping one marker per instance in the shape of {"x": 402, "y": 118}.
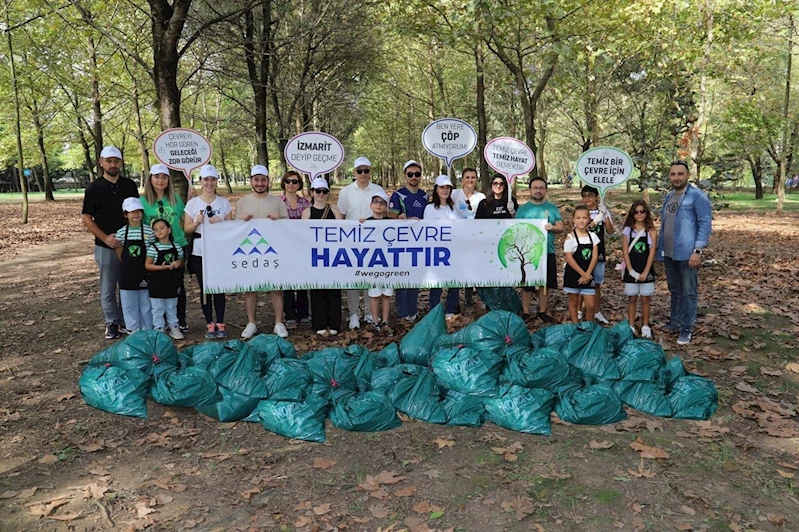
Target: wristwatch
{"x": 699, "y": 251}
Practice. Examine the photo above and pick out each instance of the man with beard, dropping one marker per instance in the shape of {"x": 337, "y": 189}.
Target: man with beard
{"x": 102, "y": 215}
{"x": 260, "y": 204}
{"x": 686, "y": 223}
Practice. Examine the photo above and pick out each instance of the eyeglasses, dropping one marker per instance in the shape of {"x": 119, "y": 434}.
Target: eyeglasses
{"x": 414, "y": 174}
{"x": 379, "y": 202}
{"x": 588, "y": 195}
{"x": 639, "y": 211}
{"x": 322, "y": 191}
{"x": 363, "y": 171}
{"x": 497, "y": 184}
{"x": 291, "y": 181}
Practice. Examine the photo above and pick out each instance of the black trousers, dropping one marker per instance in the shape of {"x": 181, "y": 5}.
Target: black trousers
{"x": 295, "y": 304}
{"x": 326, "y": 309}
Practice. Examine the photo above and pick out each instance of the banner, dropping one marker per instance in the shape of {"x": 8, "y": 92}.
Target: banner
{"x": 262, "y": 254}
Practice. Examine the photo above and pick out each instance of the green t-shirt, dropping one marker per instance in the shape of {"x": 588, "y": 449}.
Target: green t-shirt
{"x": 546, "y": 211}
{"x": 171, "y": 213}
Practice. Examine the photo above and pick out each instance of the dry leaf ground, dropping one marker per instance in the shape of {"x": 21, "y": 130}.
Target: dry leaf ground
{"x": 178, "y": 470}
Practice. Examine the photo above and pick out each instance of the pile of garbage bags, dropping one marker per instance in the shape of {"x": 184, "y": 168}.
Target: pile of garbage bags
{"x": 491, "y": 370}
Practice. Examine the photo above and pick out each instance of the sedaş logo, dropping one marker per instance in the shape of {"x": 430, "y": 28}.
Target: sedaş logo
{"x": 254, "y": 244}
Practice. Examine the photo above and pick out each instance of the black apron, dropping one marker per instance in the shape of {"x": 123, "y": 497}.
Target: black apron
{"x": 639, "y": 254}
{"x": 582, "y": 256}
{"x": 133, "y": 275}
{"x": 165, "y": 284}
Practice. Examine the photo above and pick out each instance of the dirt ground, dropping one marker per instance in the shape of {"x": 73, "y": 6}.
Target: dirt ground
{"x": 66, "y": 466}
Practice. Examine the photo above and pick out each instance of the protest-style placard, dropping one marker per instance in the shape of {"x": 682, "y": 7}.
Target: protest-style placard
{"x": 510, "y": 157}
{"x": 182, "y": 149}
{"x": 449, "y": 139}
{"x": 604, "y": 167}
{"x": 314, "y": 153}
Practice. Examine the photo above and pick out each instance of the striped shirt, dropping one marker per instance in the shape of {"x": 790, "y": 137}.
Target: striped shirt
{"x": 153, "y": 249}
{"x": 135, "y": 233}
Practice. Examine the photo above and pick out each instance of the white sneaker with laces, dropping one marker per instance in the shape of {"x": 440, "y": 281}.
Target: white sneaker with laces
{"x": 249, "y": 331}
{"x": 579, "y": 315}
{"x": 448, "y": 317}
{"x": 601, "y": 319}
{"x": 322, "y": 332}
{"x": 646, "y": 332}
{"x": 369, "y": 319}
{"x": 355, "y": 323}
{"x": 332, "y": 332}
{"x": 175, "y": 334}
{"x": 280, "y": 330}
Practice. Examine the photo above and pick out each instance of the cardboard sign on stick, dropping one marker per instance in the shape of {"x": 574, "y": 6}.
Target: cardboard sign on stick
{"x": 510, "y": 157}
{"x": 604, "y": 167}
{"x": 449, "y": 139}
{"x": 182, "y": 149}
{"x": 314, "y": 153}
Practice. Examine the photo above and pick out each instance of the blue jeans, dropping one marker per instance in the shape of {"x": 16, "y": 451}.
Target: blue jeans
{"x": 161, "y": 306}
{"x": 110, "y": 266}
{"x": 452, "y": 299}
{"x": 407, "y": 301}
{"x": 683, "y": 283}
{"x": 136, "y": 309}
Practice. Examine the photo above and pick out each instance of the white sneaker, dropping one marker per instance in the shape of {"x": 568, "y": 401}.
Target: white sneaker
{"x": 249, "y": 331}
{"x": 601, "y": 319}
{"x": 448, "y": 317}
{"x": 411, "y": 318}
{"x": 332, "y": 332}
{"x": 280, "y": 330}
{"x": 322, "y": 332}
{"x": 633, "y": 330}
{"x": 175, "y": 334}
{"x": 369, "y": 319}
{"x": 579, "y": 315}
{"x": 646, "y": 332}
{"x": 355, "y": 323}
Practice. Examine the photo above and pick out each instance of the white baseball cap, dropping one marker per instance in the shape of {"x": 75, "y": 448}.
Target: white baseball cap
{"x": 411, "y": 163}
{"x": 259, "y": 169}
{"x": 361, "y": 161}
{"x": 209, "y": 170}
{"x": 110, "y": 151}
{"x": 380, "y": 194}
{"x": 443, "y": 181}
{"x": 159, "y": 169}
{"x": 132, "y": 204}
{"x": 320, "y": 182}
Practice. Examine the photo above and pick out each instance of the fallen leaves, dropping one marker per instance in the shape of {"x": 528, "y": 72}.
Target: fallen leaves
{"x": 321, "y": 463}
{"x": 143, "y": 510}
{"x": 443, "y": 443}
{"x": 45, "y": 508}
{"x": 380, "y": 510}
{"x": 604, "y": 444}
{"x": 648, "y": 451}
{"x": 425, "y": 508}
{"x": 793, "y": 367}
{"x": 48, "y": 459}
{"x": 406, "y": 492}
{"x": 784, "y": 474}
{"x": 521, "y": 507}
{"x": 748, "y": 388}
{"x": 94, "y": 491}
{"x": 509, "y": 452}
{"x": 374, "y": 484}
{"x": 432, "y": 473}
{"x": 772, "y": 418}
{"x": 642, "y": 472}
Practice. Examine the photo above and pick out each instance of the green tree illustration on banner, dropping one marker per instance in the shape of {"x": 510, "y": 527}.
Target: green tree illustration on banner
{"x": 524, "y": 244}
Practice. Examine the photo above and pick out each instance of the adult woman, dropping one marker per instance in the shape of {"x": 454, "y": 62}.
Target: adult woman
{"x": 497, "y": 205}
{"x": 325, "y": 303}
{"x": 295, "y": 302}
{"x": 442, "y": 207}
{"x": 161, "y": 201}
{"x": 466, "y": 199}
{"x": 207, "y": 206}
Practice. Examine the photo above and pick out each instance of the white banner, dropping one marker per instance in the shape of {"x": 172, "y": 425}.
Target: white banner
{"x": 262, "y": 254}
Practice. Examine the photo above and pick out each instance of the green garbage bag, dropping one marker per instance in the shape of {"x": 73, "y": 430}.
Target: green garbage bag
{"x": 370, "y": 411}
{"x": 331, "y": 369}
{"x": 271, "y": 346}
{"x": 233, "y": 406}
{"x": 416, "y": 347}
{"x": 187, "y": 387}
{"x": 464, "y": 410}
{"x": 554, "y": 335}
{"x": 640, "y": 360}
{"x": 369, "y": 362}
{"x": 385, "y": 378}
{"x": 502, "y": 298}
{"x": 301, "y": 420}
{"x": 239, "y": 371}
{"x": 693, "y": 397}
{"x": 619, "y": 334}
{"x": 287, "y": 379}
{"x": 590, "y": 351}
{"x": 115, "y": 389}
{"x": 522, "y": 409}
{"x": 596, "y": 404}
{"x": 467, "y": 370}
{"x": 141, "y": 350}
{"x": 538, "y": 368}
{"x": 418, "y": 395}
{"x": 201, "y": 354}
{"x": 496, "y": 331}
{"x": 647, "y": 397}
{"x": 673, "y": 370}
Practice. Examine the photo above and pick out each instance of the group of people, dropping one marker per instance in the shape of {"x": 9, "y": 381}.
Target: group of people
{"x": 141, "y": 246}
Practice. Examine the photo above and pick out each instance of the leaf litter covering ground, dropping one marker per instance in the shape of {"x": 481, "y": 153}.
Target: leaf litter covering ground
{"x": 66, "y": 466}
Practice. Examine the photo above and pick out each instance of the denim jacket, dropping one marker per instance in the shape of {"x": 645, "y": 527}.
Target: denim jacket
{"x": 692, "y": 224}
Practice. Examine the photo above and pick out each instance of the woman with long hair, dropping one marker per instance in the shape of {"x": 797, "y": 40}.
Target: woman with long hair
{"x": 441, "y": 207}
{"x": 295, "y": 302}
{"x": 496, "y": 204}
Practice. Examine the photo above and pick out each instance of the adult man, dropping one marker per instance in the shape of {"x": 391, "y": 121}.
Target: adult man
{"x": 685, "y": 231}
{"x": 601, "y": 224}
{"x": 354, "y": 202}
{"x": 260, "y": 204}
{"x": 408, "y": 203}
{"x": 539, "y": 208}
{"x": 102, "y": 216}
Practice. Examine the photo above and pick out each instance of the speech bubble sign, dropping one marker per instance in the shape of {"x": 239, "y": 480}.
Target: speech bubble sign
{"x": 604, "y": 167}
{"x": 510, "y": 157}
{"x": 182, "y": 149}
{"x": 314, "y": 153}
{"x": 449, "y": 139}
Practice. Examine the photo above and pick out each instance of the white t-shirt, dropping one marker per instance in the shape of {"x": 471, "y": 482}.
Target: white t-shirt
{"x": 219, "y": 207}
{"x": 460, "y": 203}
{"x": 355, "y": 203}
{"x": 444, "y": 212}
{"x": 570, "y": 244}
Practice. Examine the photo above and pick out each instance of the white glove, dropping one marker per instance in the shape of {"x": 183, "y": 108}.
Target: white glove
{"x": 600, "y": 217}
{"x": 634, "y": 274}
{"x": 510, "y": 207}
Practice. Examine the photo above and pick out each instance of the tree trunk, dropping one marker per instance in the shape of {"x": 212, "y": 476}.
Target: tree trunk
{"x": 144, "y": 152}
{"x": 785, "y": 157}
{"x": 17, "y": 122}
{"x": 258, "y": 71}
{"x": 48, "y": 180}
{"x": 97, "y": 112}
{"x": 756, "y": 165}
{"x": 36, "y": 179}
{"x": 695, "y": 128}
{"x": 482, "y": 122}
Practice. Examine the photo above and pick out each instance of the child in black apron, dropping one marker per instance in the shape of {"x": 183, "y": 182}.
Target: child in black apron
{"x": 639, "y": 242}
{"x": 582, "y": 256}
{"x": 133, "y": 292}
{"x": 164, "y": 262}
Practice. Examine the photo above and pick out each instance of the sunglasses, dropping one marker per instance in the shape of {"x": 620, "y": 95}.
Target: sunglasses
{"x": 363, "y": 171}
{"x": 322, "y": 191}
{"x": 639, "y": 211}
{"x": 414, "y": 174}
{"x": 469, "y": 204}
{"x": 497, "y": 184}
{"x": 209, "y": 211}
{"x": 291, "y": 181}
{"x": 161, "y": 206}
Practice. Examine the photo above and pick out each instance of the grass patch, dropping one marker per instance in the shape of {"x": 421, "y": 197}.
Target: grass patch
{"x": 607, "y": 496}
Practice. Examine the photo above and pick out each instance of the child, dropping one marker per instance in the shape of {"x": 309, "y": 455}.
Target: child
{"x": 601, "y": 224}
{"x": 581, "y": 259}
{"x": 133, "y": 292}
{"x": 164, "y": 261}
{"x": 380, "y": 296}
{"x": 639, "y": 241}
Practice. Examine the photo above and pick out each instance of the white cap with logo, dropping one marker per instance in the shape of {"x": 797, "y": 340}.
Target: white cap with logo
{"x": 209, "y": 170}
{"x": 259, "y": 169}
{"x": 319, "y": 182}
{"x": 410, "y": 163}
{"x": 443, "y": 181}
{"x": 361, "y": 161}
{"x": 110, "y": 151}
{"x": 159, "y": 169}
{"x": 132, "y": 204}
